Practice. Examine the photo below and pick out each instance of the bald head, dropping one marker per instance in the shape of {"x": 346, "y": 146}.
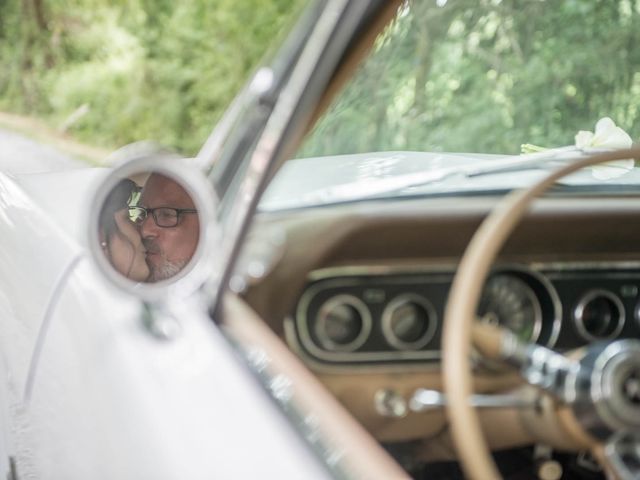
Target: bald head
{"x": 169, "y": 249}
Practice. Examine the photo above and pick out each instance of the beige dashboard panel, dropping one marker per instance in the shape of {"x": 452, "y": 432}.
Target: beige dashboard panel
{"x": 357, "y": 391}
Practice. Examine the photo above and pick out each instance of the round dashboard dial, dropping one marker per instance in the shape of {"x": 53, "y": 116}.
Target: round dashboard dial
{"x": 599, "y": 315}
{"x": 343, "y": 323}
{"x": 409, "y": 322}
{"x": 509, "y": 302}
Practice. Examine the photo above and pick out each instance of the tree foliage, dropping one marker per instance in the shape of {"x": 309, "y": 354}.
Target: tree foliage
{"x": 456, "y": 75}
{"x": 143, "y": 69}
{"x": 488, "y": 76}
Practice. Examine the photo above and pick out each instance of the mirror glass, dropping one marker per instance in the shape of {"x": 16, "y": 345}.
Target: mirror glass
{"x": 149, "y": 226}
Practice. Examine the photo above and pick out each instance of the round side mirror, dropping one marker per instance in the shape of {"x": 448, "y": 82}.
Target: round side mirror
{"x": 152, "y": 227}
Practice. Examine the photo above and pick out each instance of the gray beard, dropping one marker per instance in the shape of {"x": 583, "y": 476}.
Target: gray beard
{"x": 166, "y": 270}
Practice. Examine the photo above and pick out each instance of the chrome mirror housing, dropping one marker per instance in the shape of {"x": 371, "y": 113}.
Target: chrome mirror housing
{"x": 152, "y": 227}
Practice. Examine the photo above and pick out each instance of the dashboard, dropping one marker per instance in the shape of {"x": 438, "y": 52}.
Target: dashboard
{"x": 358, "y": 292}
{"x": 351, "y": 316}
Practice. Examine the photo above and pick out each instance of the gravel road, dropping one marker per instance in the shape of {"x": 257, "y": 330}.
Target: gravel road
{"x": 20, "y": 154}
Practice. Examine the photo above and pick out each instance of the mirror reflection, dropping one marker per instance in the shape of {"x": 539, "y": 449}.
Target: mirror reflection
{"x": 149, "y": 227}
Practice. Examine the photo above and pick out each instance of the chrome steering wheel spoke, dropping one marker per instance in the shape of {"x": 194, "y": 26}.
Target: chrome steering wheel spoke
{"x": 539, "y": 366}
{"x": 601, "y": 386}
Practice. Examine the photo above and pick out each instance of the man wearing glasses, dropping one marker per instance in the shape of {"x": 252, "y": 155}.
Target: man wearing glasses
{"x": 168, "y": 224}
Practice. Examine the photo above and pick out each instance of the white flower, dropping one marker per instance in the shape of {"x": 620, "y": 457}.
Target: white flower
{"x": 607, "y": 136}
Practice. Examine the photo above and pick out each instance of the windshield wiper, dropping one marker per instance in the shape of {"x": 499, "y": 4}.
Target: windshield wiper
{"x": 373, "y": 187}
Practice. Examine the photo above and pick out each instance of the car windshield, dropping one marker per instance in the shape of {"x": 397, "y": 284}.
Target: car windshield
{"x": 452, "y": 89}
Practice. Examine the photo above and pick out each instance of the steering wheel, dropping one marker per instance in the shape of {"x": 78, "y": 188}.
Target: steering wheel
{"x": 610, "y": 425}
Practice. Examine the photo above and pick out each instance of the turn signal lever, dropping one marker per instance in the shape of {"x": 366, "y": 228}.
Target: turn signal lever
{"x": 539, "y": 366}
{"x": 389, "y": 403}
{"x": 427, "y": 400}
{"x": 602, "y": 387}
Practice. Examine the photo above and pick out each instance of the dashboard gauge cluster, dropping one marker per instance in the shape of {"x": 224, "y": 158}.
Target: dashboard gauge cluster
{"x": 362, "y": 315}
{"x": 509, "y": 302}
{"x": 524, "y": 302}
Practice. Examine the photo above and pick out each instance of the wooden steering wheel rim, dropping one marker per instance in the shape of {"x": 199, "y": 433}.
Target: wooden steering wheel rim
{"x": 464, "y": 297}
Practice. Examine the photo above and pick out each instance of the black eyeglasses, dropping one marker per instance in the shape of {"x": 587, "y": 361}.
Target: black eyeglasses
{"x": 164, "y": 217}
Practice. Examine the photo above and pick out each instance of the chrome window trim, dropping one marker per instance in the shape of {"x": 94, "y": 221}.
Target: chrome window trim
{"x": 321, "y": 42}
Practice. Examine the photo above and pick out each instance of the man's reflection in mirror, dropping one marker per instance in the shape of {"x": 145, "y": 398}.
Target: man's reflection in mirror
{"x": 149, "y": 235}
{"x": 168, "y": 224}
{"x": 119, "y": 237}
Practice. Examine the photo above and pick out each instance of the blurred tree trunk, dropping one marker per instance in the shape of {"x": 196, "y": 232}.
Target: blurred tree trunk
{"x": 35, "y": 52}
{"x": 422, "y": 65}
{"x": 38, "y": 13}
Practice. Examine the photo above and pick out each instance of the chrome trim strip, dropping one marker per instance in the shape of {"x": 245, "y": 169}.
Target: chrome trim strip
{"x": 380, "y": 270}
{"x": 558, "y": 269}
{"x": 351, "y": 368}
{"x": 563, "y": 266}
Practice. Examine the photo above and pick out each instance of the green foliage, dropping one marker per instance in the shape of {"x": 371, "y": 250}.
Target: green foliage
{"x": 488, "y": 76}
{"x": 146, "y": 69}
{"x": 481, "y": 76}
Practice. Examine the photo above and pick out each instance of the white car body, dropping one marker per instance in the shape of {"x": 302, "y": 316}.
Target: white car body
{"x": 105, "y": 378}
{"x": 88, "y": 389}
{"x": 89, "y": 393}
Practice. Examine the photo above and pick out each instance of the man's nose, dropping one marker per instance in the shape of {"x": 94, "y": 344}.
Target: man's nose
{"x": 148, "y": 227}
